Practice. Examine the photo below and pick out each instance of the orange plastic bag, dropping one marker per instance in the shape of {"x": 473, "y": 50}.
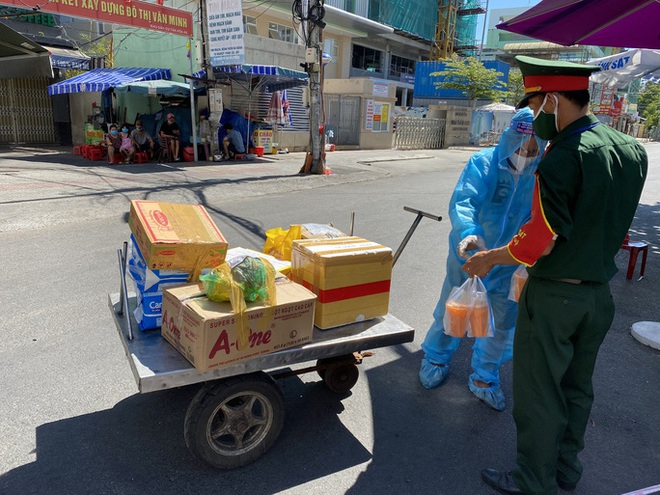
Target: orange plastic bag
{"x": 518, "y": 280}
{"x": 467, "y": 311}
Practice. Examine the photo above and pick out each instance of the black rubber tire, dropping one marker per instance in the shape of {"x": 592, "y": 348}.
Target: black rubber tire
{"x": 342, "y": 377}
{"x": 232, "y": 422}
{"x": 332, "y": 361}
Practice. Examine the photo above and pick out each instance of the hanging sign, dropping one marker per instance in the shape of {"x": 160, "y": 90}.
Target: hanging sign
{"x": 131, "y": 13}
{"x": 225, "y": 32}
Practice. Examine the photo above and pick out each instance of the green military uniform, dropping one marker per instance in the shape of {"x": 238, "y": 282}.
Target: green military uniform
{"x": 589, "y": 184}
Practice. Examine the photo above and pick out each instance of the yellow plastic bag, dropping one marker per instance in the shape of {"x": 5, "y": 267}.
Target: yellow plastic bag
{"x": 279, "y": 242}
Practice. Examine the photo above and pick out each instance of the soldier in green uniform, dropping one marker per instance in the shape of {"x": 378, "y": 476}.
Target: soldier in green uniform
{"x": 587, "y": 189}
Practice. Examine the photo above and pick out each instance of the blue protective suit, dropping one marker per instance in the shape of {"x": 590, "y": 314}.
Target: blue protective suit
{"x": 491, "y": 200}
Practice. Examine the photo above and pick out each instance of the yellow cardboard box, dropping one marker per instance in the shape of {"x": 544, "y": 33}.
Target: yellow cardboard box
{"x": 206, "y": 332}
{"x": 176, "y": 237}
{"x": 350, "y": 275}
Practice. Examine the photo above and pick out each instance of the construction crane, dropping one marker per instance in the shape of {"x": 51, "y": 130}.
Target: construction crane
{"x": 449, "y": 11}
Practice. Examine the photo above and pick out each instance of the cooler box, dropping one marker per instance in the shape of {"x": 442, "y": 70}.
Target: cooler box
{"x": 176, "y": 237}
{"x": 350, "y": 275}
{"x": 205, "y": 332}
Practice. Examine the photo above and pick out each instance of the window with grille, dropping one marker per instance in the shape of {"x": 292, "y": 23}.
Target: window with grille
{"x": 401, "y": 65}
{"x": 249, "y": 24}
{"x": 366, "y": 58}
{"x": 280, "y": 32}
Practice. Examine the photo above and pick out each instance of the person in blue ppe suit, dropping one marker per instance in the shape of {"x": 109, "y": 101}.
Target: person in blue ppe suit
{"x": 491, "y": 201}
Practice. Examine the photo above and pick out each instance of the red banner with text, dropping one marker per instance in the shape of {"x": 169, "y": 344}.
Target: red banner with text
{"x": 125, "y": 12}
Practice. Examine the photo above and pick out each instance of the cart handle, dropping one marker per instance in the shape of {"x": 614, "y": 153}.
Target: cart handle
{"x": 420, "y": 214}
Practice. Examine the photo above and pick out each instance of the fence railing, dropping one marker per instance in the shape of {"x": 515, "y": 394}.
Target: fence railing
{"x": 414, "y": 133}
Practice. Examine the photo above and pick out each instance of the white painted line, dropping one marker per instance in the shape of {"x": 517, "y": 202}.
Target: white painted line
{"x": 645, "y": 491}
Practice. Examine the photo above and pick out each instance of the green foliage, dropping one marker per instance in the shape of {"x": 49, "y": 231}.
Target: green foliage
{"x": 648, "y": 104}
{"x": 100, "y": 47}
{"x": 515, "y": 87}
{"x": 471, "y": 78}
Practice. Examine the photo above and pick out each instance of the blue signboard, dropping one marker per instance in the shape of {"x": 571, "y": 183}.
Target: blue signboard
{"x": 426, "y": 83}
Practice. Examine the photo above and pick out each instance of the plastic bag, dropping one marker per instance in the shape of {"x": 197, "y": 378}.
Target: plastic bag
{"x": 279, "y": 242}
{"x": 518, "y": 280}
{"x": 467, "y": 311}
{"x": 218, "y": 283}
{"x": 256, "y": 278}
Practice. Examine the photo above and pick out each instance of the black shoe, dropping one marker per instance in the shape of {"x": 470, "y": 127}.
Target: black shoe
{"x": 502, "y": 481}
{"x": 567, "y": 487}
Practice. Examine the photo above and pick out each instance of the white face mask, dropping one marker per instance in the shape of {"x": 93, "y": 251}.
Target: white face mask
{"x": 521, "y": 162}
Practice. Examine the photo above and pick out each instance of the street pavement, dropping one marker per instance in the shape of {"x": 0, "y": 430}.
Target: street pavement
{"x": 65, "y": 430}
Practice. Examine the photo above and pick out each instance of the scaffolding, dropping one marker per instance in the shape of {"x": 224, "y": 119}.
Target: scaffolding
{"x": 397, "y": 13}
{"x": 456, "y": 29}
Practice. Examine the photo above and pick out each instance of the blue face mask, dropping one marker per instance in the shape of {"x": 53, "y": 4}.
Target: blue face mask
{"x": 124, "y": 130}
{"x": 113, "y": 132}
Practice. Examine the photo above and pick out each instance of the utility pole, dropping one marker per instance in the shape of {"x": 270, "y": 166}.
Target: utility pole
{"x": 312, "y": 26}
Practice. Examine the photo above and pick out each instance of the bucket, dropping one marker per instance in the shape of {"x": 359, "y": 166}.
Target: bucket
{"x": 188, "y": 154}
{"x": 259, "y": 150}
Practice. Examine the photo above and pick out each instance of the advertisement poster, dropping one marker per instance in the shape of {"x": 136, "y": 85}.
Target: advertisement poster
{"x": 132, "y": 13}
{"x": 225, "y": 32}
{"x": 369, "y": 115}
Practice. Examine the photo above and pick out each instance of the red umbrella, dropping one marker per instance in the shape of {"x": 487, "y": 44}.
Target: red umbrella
{"x": 620, "y": 23}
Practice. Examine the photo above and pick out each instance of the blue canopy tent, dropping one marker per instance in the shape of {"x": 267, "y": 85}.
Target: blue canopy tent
{"x": 254, "y": 78}
{"x": 104, "y": 79}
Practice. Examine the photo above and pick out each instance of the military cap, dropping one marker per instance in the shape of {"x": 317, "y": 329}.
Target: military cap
{"x": 543, "y": 76}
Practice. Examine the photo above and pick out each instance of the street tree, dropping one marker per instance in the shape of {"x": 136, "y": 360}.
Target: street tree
{"x": 471, "y": 78}
{"x": 515, "y": 87}
{"x": 648, "y": 104}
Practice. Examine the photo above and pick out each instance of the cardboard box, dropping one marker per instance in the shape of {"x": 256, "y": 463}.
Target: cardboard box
{"x": 206, "y": 332}
{"x": 350, "y": 275}
{"x": 176, "y": 237}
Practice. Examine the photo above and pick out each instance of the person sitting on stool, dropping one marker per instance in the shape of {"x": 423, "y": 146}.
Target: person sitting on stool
{"x": 113, "y": 142}
{"x": 142, "y": 139}
{"x": 232, "y": 143}
{"x": 171, "y": 132}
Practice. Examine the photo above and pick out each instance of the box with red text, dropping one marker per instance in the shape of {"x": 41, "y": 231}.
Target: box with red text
{"x": 210, "y": 335}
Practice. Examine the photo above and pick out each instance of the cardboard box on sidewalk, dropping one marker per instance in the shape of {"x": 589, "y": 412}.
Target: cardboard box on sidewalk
{"x": 176, "y": 236}
{"x": 350, "y": 275}
{"x": 206, "y": 332}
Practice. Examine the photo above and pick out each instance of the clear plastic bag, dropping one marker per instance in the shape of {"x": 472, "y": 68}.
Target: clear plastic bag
{"x": 518, "y": 280}
{"x": 467, "y": 311}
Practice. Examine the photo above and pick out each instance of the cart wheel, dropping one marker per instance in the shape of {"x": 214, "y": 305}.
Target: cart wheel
{"x": 326, "y": 362}
{"x": 341, "y": 378}
{"x": 233, "y": 422}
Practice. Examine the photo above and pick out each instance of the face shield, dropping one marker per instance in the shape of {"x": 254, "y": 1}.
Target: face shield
{"x": 519, "y": 147}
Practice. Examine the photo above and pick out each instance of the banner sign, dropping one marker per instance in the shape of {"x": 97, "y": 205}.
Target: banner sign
{"x": 130, "y": 13}
{"x": 225, "y": 32}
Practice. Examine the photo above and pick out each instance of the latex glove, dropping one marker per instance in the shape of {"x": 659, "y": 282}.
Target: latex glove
{"x": 470, "y": 243}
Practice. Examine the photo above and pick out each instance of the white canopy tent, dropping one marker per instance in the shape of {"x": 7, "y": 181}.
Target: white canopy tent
{"x": 619, "y": 69}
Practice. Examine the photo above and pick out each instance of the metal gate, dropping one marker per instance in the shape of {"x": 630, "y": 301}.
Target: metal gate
{"x": 413, "y": 133}
{"x": 26, "y": 111}
{"x": 342, "y": 117}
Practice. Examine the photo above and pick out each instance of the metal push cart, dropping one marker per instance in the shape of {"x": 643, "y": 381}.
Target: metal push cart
{"x": 238, "y": 413}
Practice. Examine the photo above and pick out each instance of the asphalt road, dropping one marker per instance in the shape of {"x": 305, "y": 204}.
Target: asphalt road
{"x": 73, "y": 422}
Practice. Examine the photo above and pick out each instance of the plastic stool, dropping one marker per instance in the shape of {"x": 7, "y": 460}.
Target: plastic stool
{"x": 77, "y": 150}
{"x": 95, "y": 153}
{"x": 84, "y": 149}
{"x": 118, "y": 158}
{"x": 635, "y": 247}
{"x": 141, "y": 157}
{"x": 239, "y": 156}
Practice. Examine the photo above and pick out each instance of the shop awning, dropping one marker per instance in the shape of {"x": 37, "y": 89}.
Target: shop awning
{"x": 621, "y": 68}
{"x": 102, "y": 79}
{"x": 66, "y": 58}
{"x": 22, "y": 57}
{"x": 158, "y": 87}
{"x": 272, "y": 77}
